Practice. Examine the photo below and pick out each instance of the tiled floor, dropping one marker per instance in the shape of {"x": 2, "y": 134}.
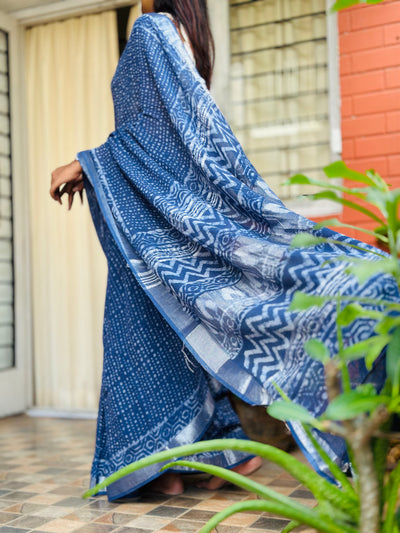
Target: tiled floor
{"x": 44, "y": 466}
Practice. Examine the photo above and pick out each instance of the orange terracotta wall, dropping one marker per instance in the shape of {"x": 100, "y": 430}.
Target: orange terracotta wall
{"x": 369, "y": 52}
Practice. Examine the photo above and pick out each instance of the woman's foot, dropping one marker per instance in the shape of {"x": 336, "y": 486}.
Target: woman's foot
{"x": 247, "y": 468}
{"x": 170, "y": 484}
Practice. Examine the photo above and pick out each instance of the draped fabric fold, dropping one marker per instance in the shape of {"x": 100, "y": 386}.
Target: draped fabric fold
{"x": 183, "y": 213}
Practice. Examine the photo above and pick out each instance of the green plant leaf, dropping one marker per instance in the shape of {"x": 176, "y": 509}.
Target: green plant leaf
{"x": 323, "y": 510}
{"x": 379, "y": 182}
{"x": 392, "y": 494}
{"x": 308, "y": 517}
{"x": 393, "y": 361}
{"x": 300, "y": 179}
{"x": 369, "y": 348}
{"x": 342, "y": 4}
{"x": 240, "y": 480}
{"x": 352, "y": 404}
{"x": 387, "y": 324}
{"x": 288, "y": 411}
{"x": 334, "y": 222}
{"x": 363, "y": 270}
{"x": 291, "y": 527}
{"x": 302, "y": 301}
{"x": 330, "y": 195}
{"x": 305, "y": 240}
{"x": 337, "y": 473}
{"x": 380, "y": 199}
{"x": 339, "y": 169}
{"x": 321, "y": 488}
{"x": 354, "y": 311}
{"x": 317, "y": 350}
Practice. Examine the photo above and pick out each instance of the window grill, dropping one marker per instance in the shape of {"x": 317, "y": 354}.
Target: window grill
{"x": 279, "y": 87}
{"x": 7, "y": 358}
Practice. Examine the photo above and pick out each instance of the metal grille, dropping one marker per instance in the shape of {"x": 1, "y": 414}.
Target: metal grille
{"x": 279, "y": 87}
{"x": 7, "y": 359}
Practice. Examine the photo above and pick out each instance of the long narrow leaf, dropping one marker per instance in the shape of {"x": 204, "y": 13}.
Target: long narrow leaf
{"x": 392, "y": 497}
{"x": 392, "y": 306}
{"x": 342, "y": 4}
{"x": 393, "y": 361}
{"x": 352, "y": 404}
{"x": 338, "y": 475}
{"x": 307, "y": 517}
{"x": 339, "y": 169}
{"x": 291, "y": 527}
{"x": 240, "y": 480}
{"x": 304, "y": 474}
{"x": 363, "y": 270}
{"x": 330, "y": 195}
{"x": 300, "y": 179}
{"x": 302, "y": 301}
{"x": 347, "y": 487}
{"x": 290, "y": 411}
{"x": 334, "y": 222}
{"x": 364, "y": 348}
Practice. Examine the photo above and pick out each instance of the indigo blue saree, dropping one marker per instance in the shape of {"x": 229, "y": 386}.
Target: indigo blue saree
{"x": 201, "y": 273}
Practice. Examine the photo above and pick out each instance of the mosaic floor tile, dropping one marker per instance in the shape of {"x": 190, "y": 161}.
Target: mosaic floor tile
{"x": 166, "y": 511}
{"x": 18, "y": 496}
{"x": 183, "y": 526}
{"x": 12, "y": 485}
{"x": 95, "y": 528}
{"x": 241, "y": 519}
{"x": 29, "y": 522}
{"x": 130, "y": 530}
{"x": 45, "y": 467}
{"x": 229, "y": 529}
{"x": 151, "y": 523}
{"x": 4, "y": 504}
{"x": 26, "y": 508}
{"x": 55, "y": 512}
{"x": 61, "y": 525}
{"x": 182, "y": 501}
{"x": 198, "y": 515}
{"x": 118, "y": 519}
{"x": 134, "y": 508}
{"x": 274, "y": 524}
{"x": 7, "y": 529}
{"x": 7, "y": 517}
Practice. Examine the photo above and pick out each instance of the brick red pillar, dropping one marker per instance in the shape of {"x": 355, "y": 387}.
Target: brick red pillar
{"x": 369, "y": 48}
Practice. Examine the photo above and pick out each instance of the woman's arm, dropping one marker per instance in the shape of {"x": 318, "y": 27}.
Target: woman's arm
{"x": 67, "y": 179}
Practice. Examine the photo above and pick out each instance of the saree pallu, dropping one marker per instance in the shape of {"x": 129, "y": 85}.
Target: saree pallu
{"x": 201, "y": 273}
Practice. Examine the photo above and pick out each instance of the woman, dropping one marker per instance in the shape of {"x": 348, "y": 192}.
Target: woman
{"x": 203, "y": 406}
{"x": 200, "y": 265}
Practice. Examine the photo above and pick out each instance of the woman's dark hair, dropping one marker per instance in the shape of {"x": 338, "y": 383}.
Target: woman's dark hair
{"x": 193, "y": 15}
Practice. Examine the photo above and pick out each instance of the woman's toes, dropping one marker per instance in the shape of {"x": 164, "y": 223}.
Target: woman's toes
{"x": 170, "y": 484}
{"x": 247, "y": 468}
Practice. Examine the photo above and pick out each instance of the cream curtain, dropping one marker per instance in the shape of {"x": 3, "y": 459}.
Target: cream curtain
{"x": 69, "y": 68}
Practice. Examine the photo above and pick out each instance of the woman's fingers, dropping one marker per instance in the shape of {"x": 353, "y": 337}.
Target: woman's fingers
{"x": 62, "y": 184}
{"x": 70, "y": 189}
{"x": 64, "y": 179}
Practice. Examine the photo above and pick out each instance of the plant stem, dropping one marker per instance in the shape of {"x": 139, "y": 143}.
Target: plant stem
{"x": 360, "y": 441}
{"x": 369, "y": 487}
{"x": 346, "y": 383}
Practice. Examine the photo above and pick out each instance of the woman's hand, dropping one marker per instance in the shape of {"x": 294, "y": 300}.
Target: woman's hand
{"x": 67, "y": 179}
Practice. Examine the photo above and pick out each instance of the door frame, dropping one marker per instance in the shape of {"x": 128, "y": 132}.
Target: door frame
{"x": 16, "y": 382}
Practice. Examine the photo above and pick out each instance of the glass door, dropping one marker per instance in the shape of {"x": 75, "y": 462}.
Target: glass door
{"x": 14, "y": 266}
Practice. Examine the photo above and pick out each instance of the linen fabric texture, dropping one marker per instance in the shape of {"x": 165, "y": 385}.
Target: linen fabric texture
{"x": 201, "y": 273}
